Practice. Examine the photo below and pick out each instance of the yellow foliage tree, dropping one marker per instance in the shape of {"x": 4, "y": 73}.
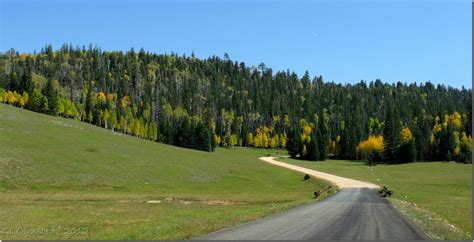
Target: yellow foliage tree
{"x": 23, "y": 99}
{"x": 250, "y": 139}
{"x": 213, "y": 126}
{"x": 445, "y": 121}
{"x": 101, "y": 97}
{"x": 462, "y": 140}
{"x": 272, "y": 143}
{"x": 265, "y": 140}
{"x": 283, "y": 141}
{"x": 455, "y": 120}
{"x": 277, "y": 140}
{"x": 110, "y": 98}
{"x": 136, "y": 127}
{"x": 257, "y": 140}
{"x": 366, "y": 147}
{"x": 11, "y": 97}
{"x": 233, "y": 140}
{"x": 125, "y": 102}
{"x": 106, "y": 117}
{"x": 306, "y": 135}
{"x": 217, "y": 140}
{"x": 406, "y": 135}
{"x": 466, "y": 140}
{"x": 436, "y": 127}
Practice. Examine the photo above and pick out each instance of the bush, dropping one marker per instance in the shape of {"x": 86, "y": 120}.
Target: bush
{"x": 374, "y": 158}
{"x": 306, "y": 177}
{"x": 318, "y": 193}
{"x": 406, "y": 152}
{"x": 384, "y": 192}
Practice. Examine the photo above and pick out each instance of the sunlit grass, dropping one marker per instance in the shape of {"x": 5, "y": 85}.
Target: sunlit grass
{"x": 443, "y": 190}
{"x": 63, "y": 179}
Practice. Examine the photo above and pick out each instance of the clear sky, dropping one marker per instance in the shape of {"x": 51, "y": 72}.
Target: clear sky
{"x": 342, "y": 40}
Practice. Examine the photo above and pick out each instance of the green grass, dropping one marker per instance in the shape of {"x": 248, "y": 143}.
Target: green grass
{"x": 434, "y": 194}
{"x": 63, "y": 179}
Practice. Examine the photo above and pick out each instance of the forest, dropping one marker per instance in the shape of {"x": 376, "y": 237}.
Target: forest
{"x": 217, "y": 102}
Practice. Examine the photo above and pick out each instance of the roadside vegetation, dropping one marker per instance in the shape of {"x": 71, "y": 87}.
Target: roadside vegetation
{"x": 64, "y": 179}
{"x": 436, "y": 195}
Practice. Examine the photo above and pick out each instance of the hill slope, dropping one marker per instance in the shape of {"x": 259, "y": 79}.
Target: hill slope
{"x": 61, "y": 178}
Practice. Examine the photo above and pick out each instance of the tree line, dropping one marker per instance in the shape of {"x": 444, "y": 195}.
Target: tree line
{"x": 217, "y": 102}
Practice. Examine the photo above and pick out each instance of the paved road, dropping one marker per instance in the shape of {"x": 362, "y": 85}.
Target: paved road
{"x": 351, "y": 214}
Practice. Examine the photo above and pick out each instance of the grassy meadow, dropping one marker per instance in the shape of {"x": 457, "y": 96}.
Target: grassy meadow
{"x": 436, "y": 195}
{"x": 64, "y": 179}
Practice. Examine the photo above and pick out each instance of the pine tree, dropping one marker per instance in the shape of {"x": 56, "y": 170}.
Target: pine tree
{"x": 348, "y": 143}
{"x": 344, "y": 143}
{"x": 321, "y": 136}
{"x": 312, "y": 152}
{"x": 36, "y": 100}
{"x": 406, "y": 152}
{"x": 13, "y": 84}
{"x": 422, "y": 134}
{"x": 203, "y": 138}
{"x": 447, "y": 143}
{"x": 292, "y": 144}
{"x": 391, "y": 136}
{"x": 89, "y": 106}
{"x": 26, "y": 82}
{"x": 50, "y": 93}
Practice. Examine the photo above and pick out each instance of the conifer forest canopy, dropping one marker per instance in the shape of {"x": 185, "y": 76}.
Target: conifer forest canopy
{"x": 207, "y": 103}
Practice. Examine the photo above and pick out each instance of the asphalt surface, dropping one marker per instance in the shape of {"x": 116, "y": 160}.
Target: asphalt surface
{"x": 351, "y": 214}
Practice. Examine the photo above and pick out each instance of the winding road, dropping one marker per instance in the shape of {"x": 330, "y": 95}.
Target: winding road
{"x": 356, "y": 212}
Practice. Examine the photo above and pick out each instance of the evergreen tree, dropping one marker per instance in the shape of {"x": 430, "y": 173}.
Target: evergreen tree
{"x": 35, "y": 101}
{"x": 422, "y": 133}
{"x": 292, "y": 144}
{"x": 50, "y": 93}
{"x": 26, "y": 82}
{"x": 321, "y": 136}
{"x": 312, "y": 152}
{"x": 406, "y": 152}
{"x": 89, "y": 106}
{"x": 203, "y": 138}
{"x": 344, "y": 144}
{"x": 14, "y": 83}
{"x": 447, "y": 143}
{"x": 348, "y": 144}
{"x": 391, "y": 136}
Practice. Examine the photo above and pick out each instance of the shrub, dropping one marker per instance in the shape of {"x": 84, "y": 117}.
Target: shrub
{"x": 384, "y": 192}
{"x": 374, "y": 158}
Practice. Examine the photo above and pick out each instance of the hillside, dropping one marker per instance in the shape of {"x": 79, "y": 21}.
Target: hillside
{"x": 218, "y": 102}
{"x": 84, "y": 182}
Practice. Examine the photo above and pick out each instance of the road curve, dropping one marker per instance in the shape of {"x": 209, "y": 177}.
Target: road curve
{"x": 341, "y": 182}
{"x": 350, "y": 214}
{"x": 356, "y": 212}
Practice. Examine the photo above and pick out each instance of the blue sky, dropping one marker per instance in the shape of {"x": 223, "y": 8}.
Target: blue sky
{"x": 342, "y": 40}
